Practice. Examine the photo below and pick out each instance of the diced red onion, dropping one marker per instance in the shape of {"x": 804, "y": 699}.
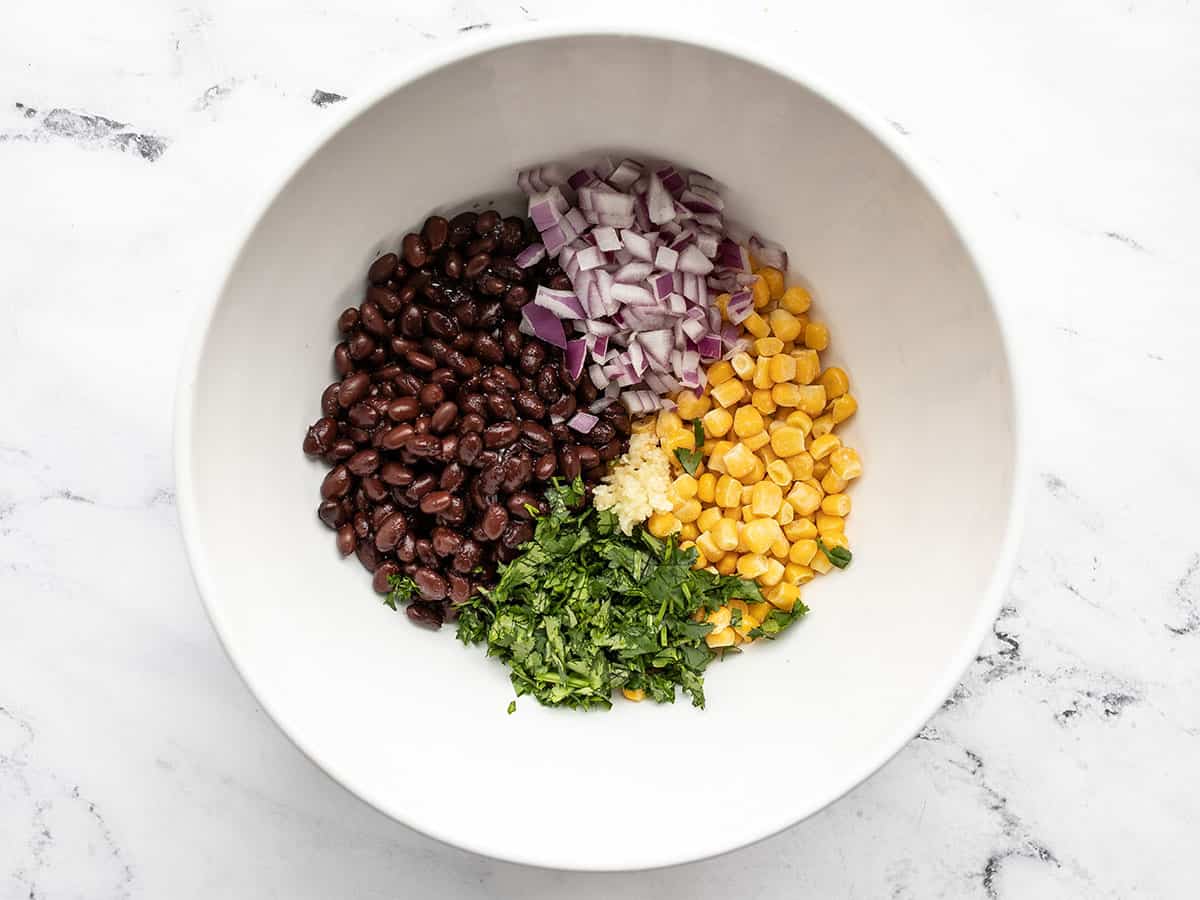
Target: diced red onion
{"x": 693, "y": 260}
{"x": 633, "y": 272}
{"x": 659, "y": 203}
{"x": 582, "y": 422}
{"x": 575, "y": 354}
{"x": 625, "y": 174}
{"x": 769, "y": 253}
{"x": 606, "y": 238}
{"x": 696, "y": 330}
{"x": 591, "y": 258}
{"x": 580, "y": 178}
{"x": 544, "y": 325}
{"x": 562, "y": 304}
{"x": 677, "y": 304}
{"x": 637, "y": 244}
{"x": 709, "y": 347}
{"x": 666, "y": 259}
{"x": 531, "y": 255}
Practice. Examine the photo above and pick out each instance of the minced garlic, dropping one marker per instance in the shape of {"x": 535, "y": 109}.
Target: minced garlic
{"x": 639, "y": 484}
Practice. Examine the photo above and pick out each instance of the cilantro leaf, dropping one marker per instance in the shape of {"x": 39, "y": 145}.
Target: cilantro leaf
{"x": 403, "y": 589}
{"x": 838, "y": 556}
{"x": 689, "y": 459}
{"x": 698, "y": 431}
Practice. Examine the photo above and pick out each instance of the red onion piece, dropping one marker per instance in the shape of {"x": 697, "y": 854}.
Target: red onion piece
{"x": 531, "y": 255}
{"x": 582, "y": 422}
{"x": 544, "y": 325}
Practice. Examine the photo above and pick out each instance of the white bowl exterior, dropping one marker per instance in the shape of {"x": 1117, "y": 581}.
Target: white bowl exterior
{"x": 416, "y": 724}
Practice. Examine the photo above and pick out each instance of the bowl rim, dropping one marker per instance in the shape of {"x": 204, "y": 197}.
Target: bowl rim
{"x": 467, "y": 47}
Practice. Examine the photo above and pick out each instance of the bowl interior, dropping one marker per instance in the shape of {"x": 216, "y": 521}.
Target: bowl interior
{"x": 415, "y": 723}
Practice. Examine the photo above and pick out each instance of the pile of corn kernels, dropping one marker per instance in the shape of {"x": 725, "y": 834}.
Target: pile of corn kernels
{"x": 774, "y": 473}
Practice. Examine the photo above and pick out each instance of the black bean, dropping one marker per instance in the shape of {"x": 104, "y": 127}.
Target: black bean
{"x": 530, "y": 404}
{"x": 406, "y": 550}
{"x": 500, "y": 407}
{"x": 372, "y": 319}
{"x": 435, "y": 231}
{"x": 431, "y": 396}
{"x": 390, "y": 531}
{"x": 462, "y": 227}
{"x": 517, "y": 471}
{"x": 415, "y": 250}
{"x": 445, "y": 541}
{"x": 363, "y": 415}
{"x": 364, "y": 462}
{"x": 514, "y": 341}
{"x": 564, "y": 407}
{"x": 452, "y": 266}
{"x": 337, "y": 483}
{"x": 512, "y": 234}
{"x": 347, "y": 540}
{"x": 412, "y": 322}
{"x": 516, "y": 298}
{"x": 343, "y": 448}
{"x": 388, "y": 301}
{"x": 348, "y": 320}
{"x": 320, "y": 436}
{"x": 449, "y": 449}
{"x": 397, "y": 438}
{"x": 353, "y": 388}
{"x": 501, "y": 434}
{"x": 431, "y": 585}
{"x": 488, "y": 349}
{"x": 487, "y": 222}
{"x": 403, "y": 409}
{"x": 395, "y": 474}
{"x": 342, "y": 362}
{"x": 494, "y": 521}
{"x": 331, "y": 513}
{"x": 443, "y": 417}
{"x": 568, "y": 461}
{"x": 367, "y": 554}
{"x": 458, "y": 588}
{"x": 360, "y": 346}
{"x": 589, "y": 458}
{"x": 519, "y": 502}
{"x": 516, "y": 534}
{"x": 467, "y": 558}
{"x": 420, "y": 361}
{"x": 374, "y": 488}
{"x": 381, "y": 270}
{"x": 545, "y": 466}
{"x": 442, "y": 324}
{"x": 435, "y": 501}
{"x": 428, "y": 614}
{"x": 381, "y": 581}
{"x": 470, "y": 445}
{"x": 476, "y": 265}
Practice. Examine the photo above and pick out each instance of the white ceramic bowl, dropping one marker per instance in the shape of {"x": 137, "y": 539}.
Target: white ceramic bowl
{"x": 413, "y": 722}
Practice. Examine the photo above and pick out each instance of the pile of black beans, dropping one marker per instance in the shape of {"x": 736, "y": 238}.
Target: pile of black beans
{"x": 446, "y": 423}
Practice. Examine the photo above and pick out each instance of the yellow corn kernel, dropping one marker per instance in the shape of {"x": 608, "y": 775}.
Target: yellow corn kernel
{"x": 784, "y": 325}
{"x": 824, "y": 445}
{"x": 724, "y": 638}
{"x": 689, "y": 406}
{"x": 801, "y": 420}
{"x": 808, "y": 366}
{"x": 800, "y": 530}
{"x": 802, "y": 552}
{"x": 747, "y": 516}
{"x": 820, "y": 564}
{"x": 689, "y": 532}
{"x": 717, "y": 422}
{"x": 831, "y": 483}
{"x": 787, "y": 441}
{"x": 761, "y": 293}
{"x": 759, "y": 535}
{"x": 783, "y": 596}
{"x": 804, "y": 499}
{"x": 747, "y": 421}
{"x": 762, "y": 373}
{"x": 843, "y": 408}
{"x": 743, "y": 364}
{"x": 796, "y": 300}
{"x": 763, "y": 401}
{"x": 816, "y": 486}
{"x": 836, "y": 505}
{"x": 725, "y": 534}
{"x": 734, "y": 513}
{"x": 816, "y": 336}
{"x": 703, "y": 562}
{"x": 756, "y": 325}
{"x": 765, "y": 453}
{"x": 782, "y": 367}
{"x": 719, "y": 372}
{"x": 846, "y": 463}
{"x": 721, "y": 303}
{"x": 779, "y": 472}
{"x": 759, "y": 470}
{"x": 759, "y": 612}
{"x": 811, "y": 398}
{"x": 768, "y": 346}
{"x": 719, "y": 619}
{"x": 728, "y": 491}
{"x": 766, "y": 498}
{"x": 709, "y": 518}
{"x": 716, "y": 455}
{"x": 739, "y": 461}
{"x": 835, "y": 381}
{"x": 684, "y": 439}
{"x": 731, "y": 391}
{"x": 707, "y": 545}
{"x": 668, "y": 423}
{"x": 801, "y": 465}
{"x": 822, "y": 425}
{"x": 780, "y": 546}
{"x": 685, "y": 486}
{"x": 787, "y": 394}
{"x": 727, "y": 564}
{"x": 662, "y": 524}
{"x": 773, "y": 575}
{"x": 706, "y": 486}
{"x": 747, "y": 495}
{"x": 830, "y": 524}
{"x": 833, "y": 539}
{"x": 644, "y": 425}
{"x": 797, "y": 575}
{"x": 785, "y": 514}
{"x": 774, "y": 280}
{"x": 688, "y": 510}
{"x": 820, "y": 470}
{"x": 637, "y": 695}
{"x": 756, "y": 442}
{"x": 751, "y": 565}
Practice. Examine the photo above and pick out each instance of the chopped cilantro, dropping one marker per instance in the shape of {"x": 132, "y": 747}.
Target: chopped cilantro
{"x": 585, "y": 610}
{"x": 689, "y": 459}
{"x": 698, "y": 431}
{"x": 403, "y": 590}
{"x": 838, "y": 556}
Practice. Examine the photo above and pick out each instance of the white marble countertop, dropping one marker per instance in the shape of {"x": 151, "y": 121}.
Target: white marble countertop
{"x": 134, "y": 763}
